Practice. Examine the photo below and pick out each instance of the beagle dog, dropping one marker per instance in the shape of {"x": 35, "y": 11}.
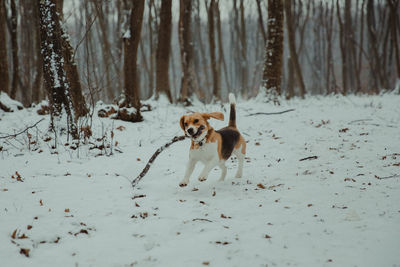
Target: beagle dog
{"x": 212, "y": 147}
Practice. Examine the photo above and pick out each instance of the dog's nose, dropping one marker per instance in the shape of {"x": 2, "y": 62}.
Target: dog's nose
{"x": 190, "y": 131}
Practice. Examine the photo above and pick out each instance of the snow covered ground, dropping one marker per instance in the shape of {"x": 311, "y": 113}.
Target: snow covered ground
{"x": 339, "y": 207}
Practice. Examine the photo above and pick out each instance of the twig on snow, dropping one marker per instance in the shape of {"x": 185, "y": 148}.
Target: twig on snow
{"x": 269, "y": 113}
{"x": 155, "y": 155}
{"x": 201, "y": 219}
{"x": 388, "y": 177}
{"x": 309, "y": 158}
{"x": 26, "y": 129}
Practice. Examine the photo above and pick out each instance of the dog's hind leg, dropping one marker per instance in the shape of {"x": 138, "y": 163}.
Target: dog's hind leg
{"x": 240, "y": 156}
{"x": 223, "y": 170}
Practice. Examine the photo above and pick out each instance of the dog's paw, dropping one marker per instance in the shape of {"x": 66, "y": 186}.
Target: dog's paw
{"x": 183, "y": 183}
{"x": 202, "y": 179}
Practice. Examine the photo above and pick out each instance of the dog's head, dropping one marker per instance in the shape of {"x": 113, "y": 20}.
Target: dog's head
{"x": 196, "y": 125}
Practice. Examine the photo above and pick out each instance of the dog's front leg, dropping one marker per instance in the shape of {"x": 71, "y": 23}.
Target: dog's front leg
{"x": 189, "y": 170}
{"x": 207, "y": 168}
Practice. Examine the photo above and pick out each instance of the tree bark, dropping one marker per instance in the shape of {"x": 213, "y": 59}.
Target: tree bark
{"x": 163, "y": 51}
{"x": 188, "y": 82}
{"x": 274, "y": 51}
{"x": 211, "y": 42}
{"x": 37, "y": 82}
{"x": 292, "y": 47}
{"x": 4, "y": 78}
{"x": 261, "y": 21}
{"x": 55, "y": 76}
{"x": 14, "y": 49}
{"x": 131, "y": 44}
{"x": 71, "y": 69}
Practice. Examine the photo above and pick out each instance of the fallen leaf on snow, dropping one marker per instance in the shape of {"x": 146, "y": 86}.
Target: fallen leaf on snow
{"x": 24, "y": 251}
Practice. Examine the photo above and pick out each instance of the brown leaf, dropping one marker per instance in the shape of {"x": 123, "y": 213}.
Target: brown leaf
{"x": 343, "y": 130}
{"x": 195, "y": 189}
{"x": 214, "y": 193}
{"x": 24, "y": 251}
{"x": 14, "y": 234}
{"x": 121, "y": 128}
{"x": 261, "y": 186}
{"x": 267, "y": 236}
{"x": 66, "y": 210}
{"x": 257, "y": 143}
{"x": 309, "y": 205}
{"x": 23, "y": 236}
{"x": 136, "y": 204}
{"x": 206, "y": 263}
{"x": 41, "y": 202}
{"x": 29, "y": 227}
{"x": 225, "y": 217}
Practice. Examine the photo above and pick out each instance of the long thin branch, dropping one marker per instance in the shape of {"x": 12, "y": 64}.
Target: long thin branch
{"x": 26, "y": 129}
{"x": 155, "y": 155}
{"x": 269, "y": 113}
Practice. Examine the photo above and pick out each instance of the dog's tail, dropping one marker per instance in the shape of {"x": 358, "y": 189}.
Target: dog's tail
{"x": 232, "y": 115}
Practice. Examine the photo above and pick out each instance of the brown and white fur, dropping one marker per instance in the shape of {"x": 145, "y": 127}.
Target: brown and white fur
{"x": 212, "y": 147}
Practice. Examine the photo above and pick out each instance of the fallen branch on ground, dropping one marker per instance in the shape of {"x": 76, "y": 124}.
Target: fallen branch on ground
{"x": 388, "y": 177}
{"x": 309, "y": 158}
{"x": 26, "y": 129}
{"x": 155, "y": 155}
{"x": 269, "y": 113}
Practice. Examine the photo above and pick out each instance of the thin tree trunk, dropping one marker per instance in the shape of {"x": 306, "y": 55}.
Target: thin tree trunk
{"x": 188, "y": 82}
{"x": 261, "y": 21}
{"x": 163, "y": 50}
{"x": 211, "y": 41}
{"x": 71, "y": 70}
{"x": 55, "y": 76}
{"x": 4, "y": 78}
{"x": 221, "y": 59}
{"x": 14, "y": 49}
{"x": 292, "y": 47}
{"x": 393, "y": 4}
{"x": 131, "y": 44}
{"x": 37, "y": 82}
{"x": 274, "y": 51}
{"x": 343, "y": 51}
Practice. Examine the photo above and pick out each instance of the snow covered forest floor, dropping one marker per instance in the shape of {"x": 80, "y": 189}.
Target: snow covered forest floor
{"x": 339, "y": 206}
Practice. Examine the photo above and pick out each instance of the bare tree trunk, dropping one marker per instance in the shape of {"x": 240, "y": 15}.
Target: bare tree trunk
{"x": 261, "y": 21}
{"x": 4, "y": 78}
{"x": 221, "y": 57}
{"x": 211, "y": 41}
{"x": 71, "y": 69}
{"x": 163, "y": 50}
{"x": 393, "y": 5}
{"x": 243, "y": 49}
{"x": 292, "y": 47}
{"x": 188, "y": 82}
{"x": 131, "y": 44}
{"x": 152, "y": 57}
{"x": 376, "y": 62}
{"x": 37, "y": 82}
{"x": 55, "y": 76}
{"x": 274, "y": 51}
{"x": 14, "y": 49}
{"x": 342, "y": 42}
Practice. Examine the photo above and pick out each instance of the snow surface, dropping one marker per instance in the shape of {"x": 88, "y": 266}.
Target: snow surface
{"x": 328, "y": 211}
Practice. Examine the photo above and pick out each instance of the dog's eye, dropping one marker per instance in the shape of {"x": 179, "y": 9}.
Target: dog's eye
{"x": 196, "y": 121}
{"x": 185, "y": 124}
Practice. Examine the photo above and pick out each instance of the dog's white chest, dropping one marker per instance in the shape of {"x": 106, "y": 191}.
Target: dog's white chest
{"x": 204, "y": 153}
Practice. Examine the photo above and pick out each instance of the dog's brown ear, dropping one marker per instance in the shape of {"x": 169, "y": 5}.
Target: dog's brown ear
{"x": 215, "y": 115}
{"x": 182, "y": 121}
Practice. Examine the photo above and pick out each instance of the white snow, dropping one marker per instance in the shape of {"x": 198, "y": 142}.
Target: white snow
{"x": 332, "y": 210}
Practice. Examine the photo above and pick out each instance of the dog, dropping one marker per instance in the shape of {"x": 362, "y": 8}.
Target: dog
{"x": 212, "y": 147}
